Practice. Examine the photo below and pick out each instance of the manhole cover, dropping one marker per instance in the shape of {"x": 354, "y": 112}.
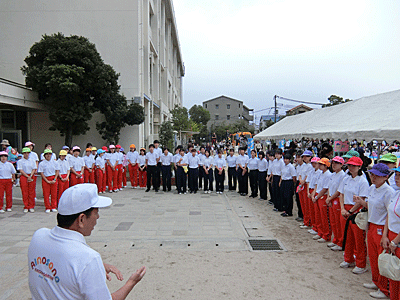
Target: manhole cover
{"x": 268, "y": 245}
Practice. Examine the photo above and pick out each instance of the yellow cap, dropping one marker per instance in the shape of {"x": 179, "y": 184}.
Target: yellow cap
{"x": 94, "y": 149}
{"x": 63, "y": 152}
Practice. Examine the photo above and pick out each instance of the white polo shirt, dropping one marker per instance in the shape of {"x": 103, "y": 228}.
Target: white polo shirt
{"x": 378, "y": 202}
{"x": 152, "y": 158}
{"x": 53, "y": 156}
{"x": 242, "y": 160}
{"x": 77, "y": 163}
{"x": 262, "y": 165}
{"x": 288, "y": 172}
{"x": 89, "y": 161}
{"x": 158, "y": 151}
{"x": 219, "y": 163}
{"x": 314, "y": 178}
{"x": 323, "y": 181}
{"x": 112, "y": 158}
{"x": 166, "y": 160}
{"x": 62, "y": 266}
{"x": 141, "y": 160}
{"x": 33, "y": 156}
{"x": 63, "y": 166}
{"x": 353, "y": 186}
{"x": 26, "y": 165}
{"x": 252, "y": 164}
{"x": 100, "y": 162}
{"x": 193, "y": 161}
{"x": 394, "y": 213}
{"x": 208, "y": 161}
{"x": 48, "y": 167}
{"x": 300, "y": 171}
{"x": 231, "y": 160}
{"x": 392, "y": 182}
{"x": 182, "y": 159}
{"x": 6, "y": 170}
{"x": 334, "y": 181}
{"x": 276, "y": 166}
{"x": 132, "y": 157}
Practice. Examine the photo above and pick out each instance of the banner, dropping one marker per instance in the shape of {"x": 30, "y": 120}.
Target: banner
{"x": 341, "y": 146}
{"x": 250, "y": 146}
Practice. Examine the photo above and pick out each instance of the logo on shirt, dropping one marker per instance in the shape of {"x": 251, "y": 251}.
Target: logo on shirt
{"x": 52, "y": 275}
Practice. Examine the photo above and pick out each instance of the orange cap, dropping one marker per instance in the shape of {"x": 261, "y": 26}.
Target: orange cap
{"x": 132, "y": 146}
{"x": 325, "y": 161}
{"x": 88, "y": 149}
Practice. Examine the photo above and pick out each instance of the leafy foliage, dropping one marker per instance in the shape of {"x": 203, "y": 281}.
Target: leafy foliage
{"x": 72, "y": 79}
{"x": 199, "y": 116}
{"x": 167, "y": 135}
{"x": 180, "y": 118}
{"x": 335, "y": 100}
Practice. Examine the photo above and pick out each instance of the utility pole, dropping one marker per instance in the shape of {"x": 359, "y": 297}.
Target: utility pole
{"x": 275, "y": 108}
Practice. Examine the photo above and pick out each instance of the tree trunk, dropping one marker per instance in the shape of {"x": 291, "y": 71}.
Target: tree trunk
{"x": 68, "y": 137}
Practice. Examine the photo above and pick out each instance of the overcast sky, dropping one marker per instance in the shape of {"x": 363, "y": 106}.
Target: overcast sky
{"x": 306, "y": 50}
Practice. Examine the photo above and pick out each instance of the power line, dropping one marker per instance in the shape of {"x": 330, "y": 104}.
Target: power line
{"x": 298, "y": 101}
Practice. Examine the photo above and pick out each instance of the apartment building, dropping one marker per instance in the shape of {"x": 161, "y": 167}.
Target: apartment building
{"x": 226, "y": 110}
{"x": 139, "y": 38}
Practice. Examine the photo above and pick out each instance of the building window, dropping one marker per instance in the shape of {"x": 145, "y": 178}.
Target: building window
{"x": 216, "y": 106}
{"x": 239, "y": 105}
{"x": 205, "y": 105}
{"x": 228, "y": 117}
{"x": 216, "y": 117}
{"x": 228, "y": 106}
{"x": 7, "y": 119}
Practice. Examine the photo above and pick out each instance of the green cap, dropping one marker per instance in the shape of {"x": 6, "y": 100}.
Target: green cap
{"x": 46, "y": 151}
{"x": 26, "y": 150}
{"x": 389, "y": 157}
{"x": 351, "y": 154}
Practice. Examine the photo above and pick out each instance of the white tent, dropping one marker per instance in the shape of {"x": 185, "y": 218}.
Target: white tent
{"x": 369, "y": 118}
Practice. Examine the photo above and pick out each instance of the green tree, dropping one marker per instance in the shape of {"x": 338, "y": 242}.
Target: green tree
{"x": 241, "y": 126}
{"x": 166, "y": 134}
{"x": 73, "y": 81}
{"x": 267, "y": 124}
{"x": 200, "y": 116}
{"x": 180, "y": 118}
{"x": 220, "y": 130}
{"x": 335, "y": 100}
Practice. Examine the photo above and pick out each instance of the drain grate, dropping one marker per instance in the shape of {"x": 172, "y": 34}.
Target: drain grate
{"x": 266, "y": 245}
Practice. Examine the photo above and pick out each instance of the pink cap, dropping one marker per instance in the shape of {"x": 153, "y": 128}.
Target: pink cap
{"x": 3, "y": 153}
{"x": 29, "y": 144}
{"x": 111, "y": 147}
{"x": 315, "y": 159}
{"x": 76, "y": 148}
{"x": 338, "y": 159}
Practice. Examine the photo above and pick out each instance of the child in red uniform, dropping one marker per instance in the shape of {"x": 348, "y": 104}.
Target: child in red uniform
{"x": 28, "y": 168}
{"x": 7, "y": 178}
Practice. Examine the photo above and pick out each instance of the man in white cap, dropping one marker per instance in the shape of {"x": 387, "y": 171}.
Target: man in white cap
{"x": 61, "y": 264}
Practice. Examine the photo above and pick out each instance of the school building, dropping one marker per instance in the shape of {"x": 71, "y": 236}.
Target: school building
{"x": 139, "y": 38}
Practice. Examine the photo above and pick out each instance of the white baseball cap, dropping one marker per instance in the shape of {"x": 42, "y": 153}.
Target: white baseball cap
{"x": 81, "y": 197}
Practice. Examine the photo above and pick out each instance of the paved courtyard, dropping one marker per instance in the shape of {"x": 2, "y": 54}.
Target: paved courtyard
{"x": 195, "y": 246}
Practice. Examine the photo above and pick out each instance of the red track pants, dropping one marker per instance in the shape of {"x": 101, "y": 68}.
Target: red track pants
{"x": 312, "y": 212}
{"x": 355, "y": 242}
{"x": 28, "y": 190}
{"x": 124, "y": 179}
{"x": 62, "y": 186}
{"x": 74, "y": 180}
{"x": 324, "y": 214}
{"x": 49, "y": 190}
{"x": 89, "y": 176}
{"x": 112, "y": 178}
{"x": 305, "y": 206}
{"x": 133, "y": 174}
{"x": 6, "y": 186}
{"x": 394, "y": 285}
{"x": 119, "y": 178}
{"x": 317, "y": 215}
{"x": 374, "y": 237}
{"x": 100, "y": 179}
{"x": 334, "y": 218}
{"x": 142, "y": 178}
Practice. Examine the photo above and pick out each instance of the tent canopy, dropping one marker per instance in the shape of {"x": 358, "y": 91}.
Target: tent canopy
{"x": 368, "y": 118}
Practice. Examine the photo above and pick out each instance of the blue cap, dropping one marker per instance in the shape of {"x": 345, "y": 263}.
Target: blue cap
{"x": 100, "y": 151}
{"x": 307, "y": 153}
{"x": 122, "y": 149}
{"x": 380, "y": 170}
{"x": 396, "y": 169}
{"x": 65, "y": 147}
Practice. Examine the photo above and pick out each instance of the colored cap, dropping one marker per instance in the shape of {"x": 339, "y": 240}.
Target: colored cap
{"x": 307, "y": 153}
{"x": 3, "y": 153}
{"x": 389, "y": 157}
{"x": 111, "y": 147}
{"x": 76, "y": 148}
{"x": 338, "y": 159}
{"x": 396, "y": 169}
{"x": 65, "y": 147}
{"x": 63, "y": 152}
{"x": 94, "y": 149}
{"x": 122, "y": 149}
{"x": 118, "y": 146}
{"x": 26, "y": 150}
{"x": 324, "y": 161}
{"x": 47, "y": 151}
{"x": 19, "y": 155}
{"x": 315, "y": 159}
{"x": 351, "y": 154}
{"x": 100, "y": 151}
{"x": 104, "y": 148}
{"x": 5, "y": 142}
{"x": 29, "y": 144}
{"x": 355, "y": 161}
{"x": 132, "y": 146}
{"x": 80, "y": 198}
{"x": 380, "y": 170}
{"x": 88, "y": 149}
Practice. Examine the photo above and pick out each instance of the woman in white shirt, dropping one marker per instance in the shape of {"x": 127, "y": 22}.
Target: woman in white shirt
{"x": 63, "y": 174}
{"x": 89, "y": 169}
{"x": 252, "y": 164}
{"x": 391, "y": 233}
{"x": 208, "y": 172}
{"x": 112, "y": 170}
{"x": 333, "y": 203}
{"x": 262, "y": 175}
{"x": 28, "y": 169}
{"x": 379, "y": 197}
{"x": 141, "y": 161}
{"x": 49, "y": 169}
{"x": 353, "y": 184}
{"x": 133, "y": 167}
{"x": 312, "y": 181}
{"x": 77, "y": 164}
{"x": 100, "y": 171}
{"x": 220, "y": 164}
